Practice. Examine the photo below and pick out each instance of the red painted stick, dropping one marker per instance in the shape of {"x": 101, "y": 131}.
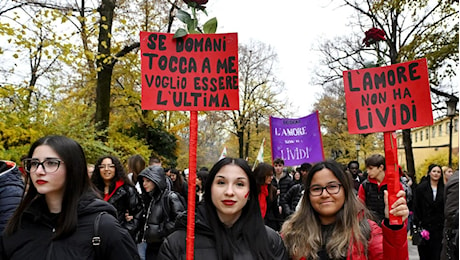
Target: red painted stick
{"x": 191, "y": 186}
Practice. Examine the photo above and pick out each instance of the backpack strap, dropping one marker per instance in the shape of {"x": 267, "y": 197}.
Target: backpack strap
{"x": 96, "y": 240}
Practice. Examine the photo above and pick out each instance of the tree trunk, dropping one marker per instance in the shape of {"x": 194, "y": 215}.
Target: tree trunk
{"x": 409, "y": 153}
{"x": 105, "y": 68}
{"x": 240, "y": 134}
{"x": 248, "y": 137}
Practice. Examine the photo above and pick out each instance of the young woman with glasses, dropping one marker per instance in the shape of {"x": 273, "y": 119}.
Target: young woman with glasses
{"x": 114, "y": 186}
{"x": 55, "y": 219}
{"x": 332, "y": 223}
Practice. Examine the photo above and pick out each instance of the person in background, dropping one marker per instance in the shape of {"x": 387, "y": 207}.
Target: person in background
{"x": 292, "y": 197}
{"x": 11, "y": 190}
{"x": 447, "y": 172}
{"x": 228, "y": 224}
{"x": 114, "y": 186}
{"x": 179, "y": 185}
{"x": 90, "y": 169}
{"x": 371, "y": 190}
{"x": 296, "y": 177}
{"x": 154, "y": 161}
{"x": 429, "y": 212}
{"x": 136, "y": 164}
{"x": 450, "y": 237}
{"x": 282, "y": 182}
{"x": 406, "y": 182}
{"x": 201, "y": 177}
{"x": 161, "y": 209}
{"x": 331, "y": 223}
{"x": 353, "y": 169}
{"x": 268, "y": 198}
{"x": 56, "y": 218}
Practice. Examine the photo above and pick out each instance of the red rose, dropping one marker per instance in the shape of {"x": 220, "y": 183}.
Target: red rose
{"x": 196, "y": 3}
{"x": 373, "y": 35}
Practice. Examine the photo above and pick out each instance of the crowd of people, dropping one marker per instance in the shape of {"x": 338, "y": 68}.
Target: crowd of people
{"x": 65, "y": 208}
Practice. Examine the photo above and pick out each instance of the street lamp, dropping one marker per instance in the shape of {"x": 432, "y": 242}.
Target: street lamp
{"x": 358, "y": 147}
{"x": 451, "y": 111}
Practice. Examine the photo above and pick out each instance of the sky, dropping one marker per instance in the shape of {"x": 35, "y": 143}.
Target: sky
{"x": 292, "y": 28}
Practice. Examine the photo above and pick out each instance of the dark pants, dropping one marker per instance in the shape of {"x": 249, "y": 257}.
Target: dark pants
{"x": 431, "y": 249}
{"x": 152, "y": 251}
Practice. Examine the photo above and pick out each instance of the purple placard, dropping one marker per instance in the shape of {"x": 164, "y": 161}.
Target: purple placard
{"x": 296, "y": 140}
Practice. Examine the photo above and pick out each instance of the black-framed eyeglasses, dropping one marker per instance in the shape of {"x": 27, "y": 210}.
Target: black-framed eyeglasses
{"x": 331, "y": 188}
{"x": 49, "y": 165}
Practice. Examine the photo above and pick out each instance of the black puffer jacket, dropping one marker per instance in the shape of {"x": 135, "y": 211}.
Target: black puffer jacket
{"x": 291, "y": 199}
{"x": 162, "y": 206}
{"x": 205, "y": 247}
{"x": 126, "y": 199}
{"x": 11, "y": 189}
{"x": 33, "y": 240}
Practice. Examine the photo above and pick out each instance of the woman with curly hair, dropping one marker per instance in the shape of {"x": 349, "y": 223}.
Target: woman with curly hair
{"x": 114, "y": 186}
{"x": 332, "y": 223}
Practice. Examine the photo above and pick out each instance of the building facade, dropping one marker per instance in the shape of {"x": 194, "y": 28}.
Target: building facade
{"x": 429, "y": 140}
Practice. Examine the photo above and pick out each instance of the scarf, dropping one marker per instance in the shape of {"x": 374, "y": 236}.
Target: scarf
{"x": 263, "y": 199}
{"x": 118, "y": 184}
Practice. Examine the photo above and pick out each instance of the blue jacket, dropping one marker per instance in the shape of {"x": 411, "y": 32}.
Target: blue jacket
{"x": 11, "y": 189}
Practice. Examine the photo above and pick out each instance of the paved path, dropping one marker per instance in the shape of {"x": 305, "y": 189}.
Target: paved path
{"x": 413, "y": 253}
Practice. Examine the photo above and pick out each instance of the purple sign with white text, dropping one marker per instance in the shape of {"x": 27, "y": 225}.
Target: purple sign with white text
{"x": 296, "y": 140}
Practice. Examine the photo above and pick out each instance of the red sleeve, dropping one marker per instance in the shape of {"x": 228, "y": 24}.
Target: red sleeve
{"x": 375, "y": 244}
{"x": 362, "y": 194}
{"x": 395, "y": 243}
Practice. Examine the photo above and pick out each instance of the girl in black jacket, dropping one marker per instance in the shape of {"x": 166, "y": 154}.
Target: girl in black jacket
{"x": 55, "y": 219}
{"x": 161, "y": 209}
{"x": 229, "y": 224}
{"x": 114, "y": 186}
{"x": 429, "y": 212}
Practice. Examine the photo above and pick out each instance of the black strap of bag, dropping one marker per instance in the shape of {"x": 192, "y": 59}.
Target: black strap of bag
{"x": 96, "y": 240}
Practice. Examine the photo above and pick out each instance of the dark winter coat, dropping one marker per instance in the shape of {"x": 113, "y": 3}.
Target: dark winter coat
{"x": 126, "y": 199}
{"x": 450, "y": 239}
{"x": 292, "y": 197}
{"x": 11, "y": 189}
{"x": 273, "y": 218}
{"x": 174, "y": 246}
{"x": 33, "y": 240}
{"x": 161, "y": 206}
{"x": 429, "y": 213}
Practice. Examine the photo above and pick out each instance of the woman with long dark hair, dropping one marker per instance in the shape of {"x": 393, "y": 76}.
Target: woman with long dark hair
{"x": 429, "y": 212}
{"x": 179, "y": 184}
{"x": 114, "y": 186}
{"x": 332, "y": 224}
{"x": 228, "y": 224}
{"x": 56, "y": 217}
{"x": 268, "y": 197}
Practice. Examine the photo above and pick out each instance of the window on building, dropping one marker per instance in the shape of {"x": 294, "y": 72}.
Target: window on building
{"x": 455, "y": 125}
{"x": 433, "y": 132}
{"x": 416, "y": 137}
{"x": 440, "y": 130}
{"x": 447, "y": 127}
{"x": 427, "y": 136}
{"x": 421, "y": 135}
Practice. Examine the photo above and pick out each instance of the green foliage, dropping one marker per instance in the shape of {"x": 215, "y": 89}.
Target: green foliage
{"x": 437, "y": 158}
{"x": 191, "y": 21}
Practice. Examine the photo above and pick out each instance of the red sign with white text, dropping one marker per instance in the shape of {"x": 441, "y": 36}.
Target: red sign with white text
{"x": 198, "y": 72}
{"x": 388, "y": 98}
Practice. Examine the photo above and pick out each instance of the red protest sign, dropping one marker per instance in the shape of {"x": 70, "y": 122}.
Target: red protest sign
{"x": 197, "y": 72}
{"x": 388, "y": 98}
